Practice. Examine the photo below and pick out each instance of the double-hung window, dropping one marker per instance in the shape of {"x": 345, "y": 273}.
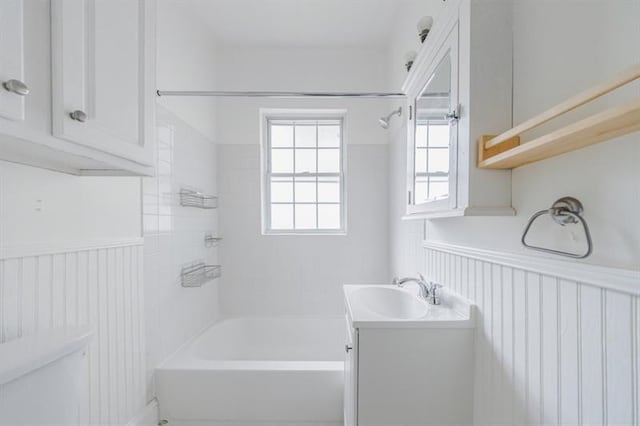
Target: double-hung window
{"x": 303, "y": 180}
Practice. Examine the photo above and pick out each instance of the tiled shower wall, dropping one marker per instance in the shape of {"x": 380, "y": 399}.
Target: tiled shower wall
{"x": 549, "y": 350}
{"x": 100, "y": 286}
{"x": 174, "y": 236}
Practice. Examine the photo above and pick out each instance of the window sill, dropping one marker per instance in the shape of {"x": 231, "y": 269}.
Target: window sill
{"x": 305, "y": 234}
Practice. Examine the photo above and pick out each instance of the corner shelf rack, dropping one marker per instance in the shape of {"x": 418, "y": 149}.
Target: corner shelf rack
{"x": 191, "y": 198}
{"x": 198, "y": 274}
{"x": 506, "y": 152}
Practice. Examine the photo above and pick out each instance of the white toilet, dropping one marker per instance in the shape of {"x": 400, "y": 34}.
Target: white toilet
{"x": 42, "y": 377}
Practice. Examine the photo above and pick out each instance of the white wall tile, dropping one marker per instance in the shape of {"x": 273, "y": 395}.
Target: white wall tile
{"x": 174, "y": 236}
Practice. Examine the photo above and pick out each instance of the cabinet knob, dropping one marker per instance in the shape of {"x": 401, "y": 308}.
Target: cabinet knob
{"x": 347, "y": 348}
{"x": 16, "y": 86}
{"x": 78, "y": 115}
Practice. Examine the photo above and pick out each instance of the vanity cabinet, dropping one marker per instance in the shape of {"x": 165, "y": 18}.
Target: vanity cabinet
{"x": 90, "y": 69}
{"x": 459, "y": 87}
{"x": 410, "y": 376}
{"x": 13, "y": 87}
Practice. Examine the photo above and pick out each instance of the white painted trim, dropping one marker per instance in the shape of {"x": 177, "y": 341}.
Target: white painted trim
{"x": 46, "y": 249}
{"x": 468, "y": 211}
{"x": 618, "y": 279}
{"x": 268, "y": 114}
{"x": 148, "y": 416}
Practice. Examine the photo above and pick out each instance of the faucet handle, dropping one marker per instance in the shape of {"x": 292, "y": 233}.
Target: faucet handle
{"x": 395, "y": 281}
{"x": 433, "y": 298}
{"x": 422, "y": 277}
{"x": 434, "y": 286}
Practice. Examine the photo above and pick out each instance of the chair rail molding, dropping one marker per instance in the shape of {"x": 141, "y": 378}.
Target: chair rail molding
{"x": 617, "y": 279}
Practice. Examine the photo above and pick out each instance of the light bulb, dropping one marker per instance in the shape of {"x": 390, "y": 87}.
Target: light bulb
{"x": 409, "y": 57}
{"x": 424, "y": 26}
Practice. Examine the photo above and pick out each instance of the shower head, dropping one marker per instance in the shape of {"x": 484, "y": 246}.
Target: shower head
{"x": 384, "y": 121}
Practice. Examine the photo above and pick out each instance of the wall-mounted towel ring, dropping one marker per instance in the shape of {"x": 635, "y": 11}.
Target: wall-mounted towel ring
{"x": 564, "y": 211}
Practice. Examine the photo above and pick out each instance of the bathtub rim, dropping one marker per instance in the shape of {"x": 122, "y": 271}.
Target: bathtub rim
{"x": 182, "y": 359}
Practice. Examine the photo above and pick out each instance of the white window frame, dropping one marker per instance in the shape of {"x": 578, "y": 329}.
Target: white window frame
{"x": 267, "y": 115}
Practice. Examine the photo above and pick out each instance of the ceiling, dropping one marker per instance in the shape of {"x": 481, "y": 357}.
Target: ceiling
{"x": 299, "y": 23}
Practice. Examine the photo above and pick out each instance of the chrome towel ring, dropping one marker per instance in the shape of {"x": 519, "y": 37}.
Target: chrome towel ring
{"x": 564, "y": 211}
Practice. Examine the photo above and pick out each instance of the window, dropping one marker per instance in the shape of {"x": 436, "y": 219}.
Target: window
{"x": 303, "y": 183}
{"x": 431, "y": 160}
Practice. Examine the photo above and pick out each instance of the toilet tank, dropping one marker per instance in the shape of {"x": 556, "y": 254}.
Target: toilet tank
{"x": 43, "y": 377}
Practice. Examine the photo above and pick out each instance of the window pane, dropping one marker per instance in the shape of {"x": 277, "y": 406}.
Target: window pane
{"x": 328, "y": 161}
{"x": 421, "y": 135}
{"x": 282, "y": 216}
{"x": 421, "y": 160}
{"x": 282, "y": 160}
{"x": 281, "y": 190}
{"x": 439, "y": 160}
{"x": 438, "y": 187}
{"x": 305, "y": 216}
{"x": 305, "y": 191}
{"x": 305, "y": 135}
{"x": 305, "y": 160}
{"x": 439, "y": 135}
{"x": 420, "y": 188}
{"x": 329, "y": 136}
{"x": 329, "y": 216}
{"x": 282, "y": 136}
{"x": 301, "y": 149}
{"x": 329, "y": 191}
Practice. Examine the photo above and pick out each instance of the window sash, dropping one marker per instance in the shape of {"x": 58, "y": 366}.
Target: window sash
{"x": 314, "y": 177}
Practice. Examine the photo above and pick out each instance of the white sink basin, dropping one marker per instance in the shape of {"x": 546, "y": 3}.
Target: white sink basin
{"x": 390, "y": 302}
{"x": 385, "y": 306}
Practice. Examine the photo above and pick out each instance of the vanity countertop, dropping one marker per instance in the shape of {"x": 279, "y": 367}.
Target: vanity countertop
{"x": 389, "y": 306}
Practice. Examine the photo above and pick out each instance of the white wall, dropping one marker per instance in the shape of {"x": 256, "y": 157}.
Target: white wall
{"x": 71, "y": 250}
{"x": 405, "y": 236}
{"x": 185, "y": 158}
{"x": 174, "y": 237}
{"x": 71, "y": 253}
{"x": 551, "y": 350}
{"x": 186, "y": 60}
{"x": 549, "y": 66}
{"x": 300, "y": 275}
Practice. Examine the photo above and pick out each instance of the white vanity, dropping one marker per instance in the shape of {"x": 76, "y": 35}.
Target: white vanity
{"x": 407, "y": 362}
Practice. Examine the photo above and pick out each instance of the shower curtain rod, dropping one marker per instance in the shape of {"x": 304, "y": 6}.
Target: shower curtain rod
{"x": 282, "y": 95}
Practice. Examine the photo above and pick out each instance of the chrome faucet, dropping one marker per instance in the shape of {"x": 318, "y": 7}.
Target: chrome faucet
{"x": 428, "y": 290}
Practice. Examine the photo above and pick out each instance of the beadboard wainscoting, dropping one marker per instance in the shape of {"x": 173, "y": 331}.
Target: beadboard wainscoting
{"x": 555, "y": 340}
{"x": 100, "y": 285}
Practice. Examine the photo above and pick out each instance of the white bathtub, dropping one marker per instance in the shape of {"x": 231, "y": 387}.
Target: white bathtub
{"x": 266, "y": 371}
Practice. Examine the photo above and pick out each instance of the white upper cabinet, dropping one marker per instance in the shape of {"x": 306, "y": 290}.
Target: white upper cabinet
{"x": 99, "y": 92}
{"x": 90, "y": 68}
{"x": 14, "y": 88}
{"x": 458, "y": 88}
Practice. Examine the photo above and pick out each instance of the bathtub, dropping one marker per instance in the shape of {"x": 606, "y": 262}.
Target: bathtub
{"x": 262, "y": 371}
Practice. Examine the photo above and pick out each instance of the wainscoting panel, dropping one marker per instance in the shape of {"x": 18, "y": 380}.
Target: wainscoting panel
{"x": 549, "y": 350}
{"x": 101, "y": 286}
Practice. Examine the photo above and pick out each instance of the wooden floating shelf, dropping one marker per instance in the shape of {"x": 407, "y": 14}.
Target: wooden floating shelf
{"x": 505, "y": 151}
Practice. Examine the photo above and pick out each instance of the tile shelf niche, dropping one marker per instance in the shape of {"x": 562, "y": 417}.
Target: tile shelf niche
{"x": 506, "y": 152}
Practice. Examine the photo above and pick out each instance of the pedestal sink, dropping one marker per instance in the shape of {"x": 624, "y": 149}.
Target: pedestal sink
{"x": 389, "y": 302}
